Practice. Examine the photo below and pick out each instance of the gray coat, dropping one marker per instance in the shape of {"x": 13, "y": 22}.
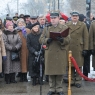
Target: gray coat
{"x": 11, "y": 39}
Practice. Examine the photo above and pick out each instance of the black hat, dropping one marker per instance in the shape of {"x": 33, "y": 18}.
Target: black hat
{"x": 8, "y": 18}
{"x": 81, "y": 17}
{"x": 33, "y": 17}
{"x": 75, "y": 13}
{"x": 61, "y": 18}
{"x": 35, "y": 24}
{"x": 54, "y": 14}
{"x": 15, "y": 18}
{"x": 25, "y": 16}
{"x": 21, "y": 16}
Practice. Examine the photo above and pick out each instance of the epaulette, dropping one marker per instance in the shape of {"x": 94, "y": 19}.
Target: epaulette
{"x": 84, "y": 23}
{"x": 68, "y": 23}
{"x": 65, "y": 25}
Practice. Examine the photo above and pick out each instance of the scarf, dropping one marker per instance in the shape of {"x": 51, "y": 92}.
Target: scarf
{"x": 23, "y": 31}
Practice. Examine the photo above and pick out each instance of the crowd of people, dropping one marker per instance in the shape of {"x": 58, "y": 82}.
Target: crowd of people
{"x": 21, "y": 38}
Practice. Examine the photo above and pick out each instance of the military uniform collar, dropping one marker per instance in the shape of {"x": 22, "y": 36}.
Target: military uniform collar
{"x": 58, "y": 26}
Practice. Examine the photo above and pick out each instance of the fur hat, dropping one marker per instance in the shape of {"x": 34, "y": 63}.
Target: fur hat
{"x": 34, "y": 24}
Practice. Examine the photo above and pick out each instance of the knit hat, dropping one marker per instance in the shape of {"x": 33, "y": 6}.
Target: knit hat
{"x": 8, "y": 23}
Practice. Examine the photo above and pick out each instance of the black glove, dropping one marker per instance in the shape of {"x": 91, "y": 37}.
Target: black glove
{"x": 49, "y": 40}
{"x": 36, "y": 53}
{"x": 93, "y": 52}
{"x": 84, "y": 53}
{"x": 14, "y": 48}
{"x": 60, "y": 39}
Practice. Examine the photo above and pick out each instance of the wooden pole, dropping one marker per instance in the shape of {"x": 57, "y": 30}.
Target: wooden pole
{"x": 69, "y": 73}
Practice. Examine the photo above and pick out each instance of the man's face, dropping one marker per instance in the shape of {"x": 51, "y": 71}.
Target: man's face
{"x": 33, "y": 20}
{"x": 42, "y": 20}
{"x": 75, "y": 18}
{"x": 27, "y": 20}
{"x": 54, "y": 20}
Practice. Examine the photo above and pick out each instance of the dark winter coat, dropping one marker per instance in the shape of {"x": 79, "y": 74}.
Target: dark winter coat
{"x": 11, "y": 39}
{"x": 33, "y": 45}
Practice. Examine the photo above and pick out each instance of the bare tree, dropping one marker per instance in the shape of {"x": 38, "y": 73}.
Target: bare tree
{"x": 36, "y": 7}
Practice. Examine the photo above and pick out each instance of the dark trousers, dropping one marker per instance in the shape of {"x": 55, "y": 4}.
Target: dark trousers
{"x": 86, "y": 65}
{"x": 75, "y": 77}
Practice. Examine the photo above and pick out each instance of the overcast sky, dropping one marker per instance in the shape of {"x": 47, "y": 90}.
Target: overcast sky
{"x": 12, "y": 4}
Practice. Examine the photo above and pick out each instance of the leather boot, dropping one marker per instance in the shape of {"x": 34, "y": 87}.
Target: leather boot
{"x": 61, "y": 93}
{"x": 25, "y": 77}
{"x": 7, "y": 78}
{"x": 21, "y": 77}
{"x": 34, "y": 81}
{"x": 18, "y": 75}
{"x": 47, "y": 78}
{"x": 40, "y": 80}
{"x": 12, "y": 76}
{"x": 50, "y": 93}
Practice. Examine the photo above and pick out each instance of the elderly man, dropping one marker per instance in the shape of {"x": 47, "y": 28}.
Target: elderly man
{"x": 78, "y": 45}
{"x": 33, "y": 20}
{"x": 55, "y": 54}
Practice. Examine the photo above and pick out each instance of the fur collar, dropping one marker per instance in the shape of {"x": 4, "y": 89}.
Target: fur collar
{"x": 7, "y": 32}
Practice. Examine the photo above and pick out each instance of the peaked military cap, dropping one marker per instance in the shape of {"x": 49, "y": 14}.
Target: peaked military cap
{"x": 34, "y": 17}
{"x": 74, "y": 13}
{"x": 54, "y": 14}
{"x": 15, "y": 18}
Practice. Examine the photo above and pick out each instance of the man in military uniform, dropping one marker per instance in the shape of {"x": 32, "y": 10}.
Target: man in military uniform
{"x": 78, "y": 45}
{"x": 92, "y": 42}
{"x": 55, "y": 54}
